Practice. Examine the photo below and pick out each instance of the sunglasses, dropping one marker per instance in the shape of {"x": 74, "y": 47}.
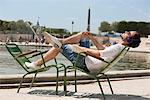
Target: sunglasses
{"x": 128, "y": 32}
{"x": 129, "y": 39}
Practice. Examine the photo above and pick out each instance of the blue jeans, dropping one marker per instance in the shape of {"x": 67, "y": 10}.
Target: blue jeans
{"x": 72, "y": 56}
{"x": 84, "y": 43}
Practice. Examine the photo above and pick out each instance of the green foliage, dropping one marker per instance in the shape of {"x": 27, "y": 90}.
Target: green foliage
{"x": 74, "y": 33}
{"x": 132, "y": 25}
{"x": 142, "y": 27}
{"x": 114, "y": 26}
{"x": 122, "y": 27}
{"x": 57, "y": 32}
{"x": 105, "y": 26}
{"x": 12, "y": 25}
{"x": 21, "y": 28}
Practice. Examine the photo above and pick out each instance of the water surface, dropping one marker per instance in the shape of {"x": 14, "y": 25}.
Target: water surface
{"x": 132, "y": 61}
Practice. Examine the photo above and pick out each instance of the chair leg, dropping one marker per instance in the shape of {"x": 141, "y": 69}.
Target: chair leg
{"x": 109, "y": 83}
{"x": 100, "y": 87}
{"x": 75, "y": 78}
{"x": 57, "y": 81}
{"x": 33, "y": 80}
{"x": 65, "y": 80}
{"x": 21, "y": 83}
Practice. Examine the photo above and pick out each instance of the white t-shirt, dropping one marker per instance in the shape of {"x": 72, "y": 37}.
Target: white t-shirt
{"x": 108, "y": 54}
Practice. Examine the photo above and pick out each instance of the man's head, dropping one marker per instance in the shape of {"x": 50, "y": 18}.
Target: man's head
{"x": 131, "y": 38}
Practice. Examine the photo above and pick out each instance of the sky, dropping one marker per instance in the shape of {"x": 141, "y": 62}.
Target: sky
{"x": 61, "y": 13}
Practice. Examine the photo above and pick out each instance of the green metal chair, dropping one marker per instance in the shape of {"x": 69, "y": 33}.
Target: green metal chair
{"x": 98, "y": 75}
{"x": 21, "y": 58}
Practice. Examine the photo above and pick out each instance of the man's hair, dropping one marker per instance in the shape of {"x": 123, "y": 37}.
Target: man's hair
{"x": 134, "y": 41}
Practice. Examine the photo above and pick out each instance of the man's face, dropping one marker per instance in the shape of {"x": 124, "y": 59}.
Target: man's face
{"x": 128, "y": 34}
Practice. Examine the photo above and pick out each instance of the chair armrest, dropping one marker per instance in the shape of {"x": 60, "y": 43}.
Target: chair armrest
{"x": 39, "y": 53}
{"x": 26, "y": 53}
{"x": 81, "y": 53}
{"x": 34, "y": 53}
{"x": 103, "y": 60}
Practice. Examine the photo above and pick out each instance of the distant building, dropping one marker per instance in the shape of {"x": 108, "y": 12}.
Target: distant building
{"x": 15, "y": 37}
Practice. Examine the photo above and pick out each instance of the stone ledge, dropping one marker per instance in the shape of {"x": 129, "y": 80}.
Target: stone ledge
{"x": 12, "y": 79}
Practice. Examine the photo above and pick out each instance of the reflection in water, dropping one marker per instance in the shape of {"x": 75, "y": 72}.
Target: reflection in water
{"x": 132, "y": 61}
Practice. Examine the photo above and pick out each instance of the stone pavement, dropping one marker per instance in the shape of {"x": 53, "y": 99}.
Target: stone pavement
{"x": 131, "y": 88}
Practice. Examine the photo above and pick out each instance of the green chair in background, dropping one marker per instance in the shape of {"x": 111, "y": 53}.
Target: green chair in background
{"x": 22, "y": 57}
{"x": 98, "y": 75}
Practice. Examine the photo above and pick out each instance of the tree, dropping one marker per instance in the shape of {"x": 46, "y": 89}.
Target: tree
{"x": 1, "y": 26}
{"x": 122, "y": 27}
{"x": 104, "y": 27}
{"x": 132, "y": 26}
{"x": 144, "y": 28}
{"x": 23, "y": 28}
{"x": 114, "y": 26}
{"x": 12, "y": 25}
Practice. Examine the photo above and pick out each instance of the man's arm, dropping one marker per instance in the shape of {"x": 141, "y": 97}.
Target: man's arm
{"x": 87, "y": 51}
{"x": 95, "y": 42}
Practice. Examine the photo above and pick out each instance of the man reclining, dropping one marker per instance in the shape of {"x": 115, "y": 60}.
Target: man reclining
{"x": 89, "y": 62}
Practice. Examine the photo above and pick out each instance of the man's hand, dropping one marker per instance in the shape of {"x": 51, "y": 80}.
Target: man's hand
{"x": 94, "y": 40}
{"x": 87, "y": 34}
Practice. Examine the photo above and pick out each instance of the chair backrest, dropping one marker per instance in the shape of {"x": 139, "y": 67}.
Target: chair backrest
{"x": 14, "y": 50}
{"x": 114, "y": 61}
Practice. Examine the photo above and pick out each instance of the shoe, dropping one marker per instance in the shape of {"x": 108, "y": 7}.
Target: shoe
{"x": 53, "y": 40}
{"x": 32, "y": 65}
